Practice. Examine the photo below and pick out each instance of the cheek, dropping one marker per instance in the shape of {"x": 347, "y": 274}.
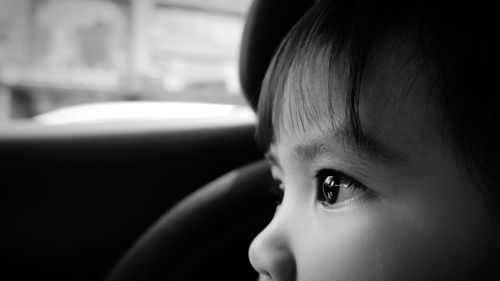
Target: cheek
{"x": 369, "y": 245}
{"x": 353, "y": 246}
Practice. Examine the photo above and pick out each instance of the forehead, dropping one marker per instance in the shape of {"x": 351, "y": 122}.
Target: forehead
{"x": 395, "y": 104}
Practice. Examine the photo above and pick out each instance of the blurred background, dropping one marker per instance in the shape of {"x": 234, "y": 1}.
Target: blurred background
{"x": 65, "y": 54}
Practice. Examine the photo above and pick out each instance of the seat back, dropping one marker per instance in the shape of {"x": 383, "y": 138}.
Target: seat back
{"x": 206, "y": 235}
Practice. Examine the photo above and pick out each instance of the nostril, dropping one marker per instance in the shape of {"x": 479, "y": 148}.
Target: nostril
{"x": 264, "y": 276}
{"x": 258, "y": 259}
{"x": 278, "y": 265}
{"x": 272, "y": 259}
{"x": 270, "y": 253}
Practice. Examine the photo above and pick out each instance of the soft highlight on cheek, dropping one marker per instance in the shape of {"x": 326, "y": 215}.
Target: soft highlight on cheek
{"x": 342, "y": 247}
{"x": 370, "y": 243}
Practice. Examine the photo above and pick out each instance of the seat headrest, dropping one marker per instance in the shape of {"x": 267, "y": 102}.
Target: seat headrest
{"x": 267, "y": 24}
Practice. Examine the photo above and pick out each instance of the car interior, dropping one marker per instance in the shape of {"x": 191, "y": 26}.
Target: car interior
{"x": 143, "y": 201}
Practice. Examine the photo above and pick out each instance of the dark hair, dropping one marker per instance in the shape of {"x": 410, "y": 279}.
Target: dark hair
{"x": 453, "y": 43}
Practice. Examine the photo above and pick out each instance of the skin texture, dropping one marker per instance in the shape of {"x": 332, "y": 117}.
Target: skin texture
{"x": 418, "y": 217}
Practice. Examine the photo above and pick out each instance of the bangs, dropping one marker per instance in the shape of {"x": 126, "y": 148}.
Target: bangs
{"x": 325, "y": 52}
{"x": 315, "y": 59}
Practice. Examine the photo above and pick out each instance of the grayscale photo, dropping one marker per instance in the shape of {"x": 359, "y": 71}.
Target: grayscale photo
{"x": 251, "y": 140}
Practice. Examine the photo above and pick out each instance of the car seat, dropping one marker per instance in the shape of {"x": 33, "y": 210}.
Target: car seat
{"x": 206, "y": 236}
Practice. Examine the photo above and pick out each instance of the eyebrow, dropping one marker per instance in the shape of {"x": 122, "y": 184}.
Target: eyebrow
{"x": 365, "y": 146}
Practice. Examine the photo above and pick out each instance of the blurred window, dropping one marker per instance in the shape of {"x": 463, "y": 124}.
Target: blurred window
{"x": 60, "y": 55}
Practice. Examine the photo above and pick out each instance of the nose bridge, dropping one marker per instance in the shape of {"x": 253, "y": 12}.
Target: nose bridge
{"x": 271, "y": 253}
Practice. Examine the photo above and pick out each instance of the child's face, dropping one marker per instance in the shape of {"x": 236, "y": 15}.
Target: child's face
{"x": 400, "y": 209}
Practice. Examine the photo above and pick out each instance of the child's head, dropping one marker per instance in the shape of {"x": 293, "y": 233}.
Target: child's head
{"x": 379, "y": 121}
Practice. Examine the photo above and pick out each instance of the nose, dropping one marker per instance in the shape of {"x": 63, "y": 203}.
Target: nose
{"x": 270, "y": 253}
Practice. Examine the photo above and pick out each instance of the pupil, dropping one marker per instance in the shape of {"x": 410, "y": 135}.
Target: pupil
{"x": 330, "y": 189}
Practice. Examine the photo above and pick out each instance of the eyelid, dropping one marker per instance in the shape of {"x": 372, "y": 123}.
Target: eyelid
{"x": 340, "y": 173}
{"x": 364, "y": 191}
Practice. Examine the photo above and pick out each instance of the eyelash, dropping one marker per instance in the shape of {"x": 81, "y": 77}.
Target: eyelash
{"x": 343, "y": 181}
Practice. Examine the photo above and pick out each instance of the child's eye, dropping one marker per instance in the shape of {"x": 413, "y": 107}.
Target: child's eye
{"x": 277, "y": 189}
{"x": 336, "y": 189}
